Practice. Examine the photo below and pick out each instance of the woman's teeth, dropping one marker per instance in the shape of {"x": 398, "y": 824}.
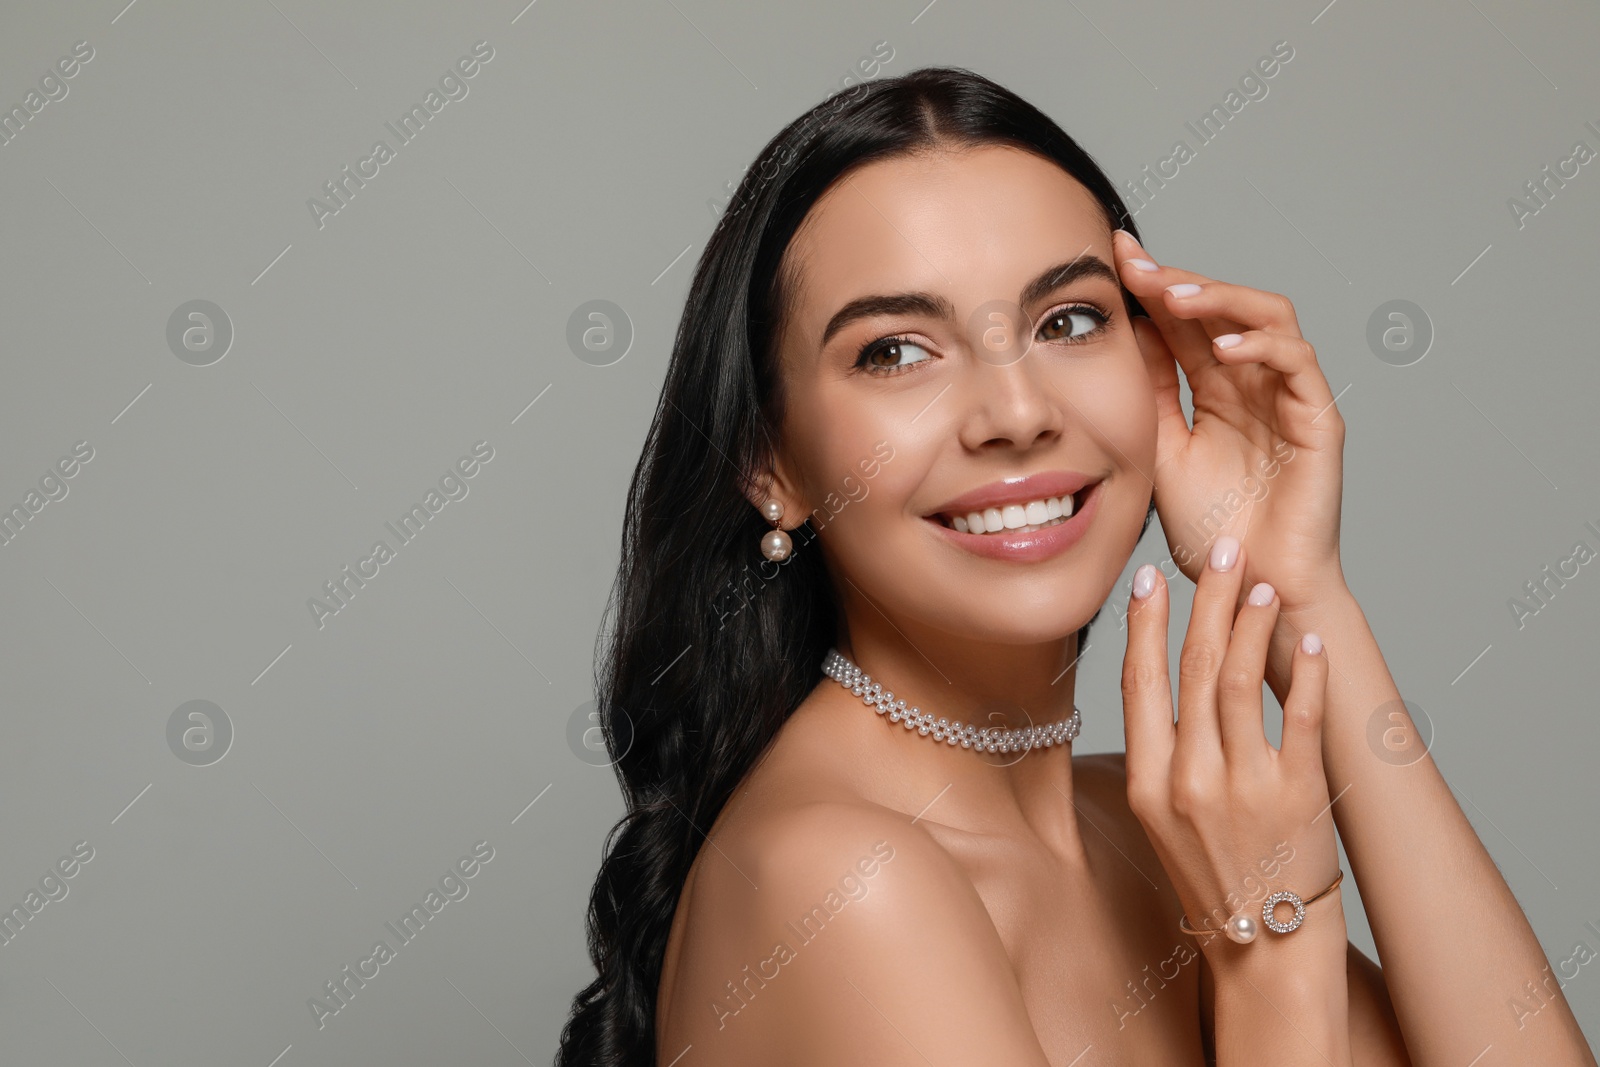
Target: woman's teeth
{"x": 1034, "y": 515}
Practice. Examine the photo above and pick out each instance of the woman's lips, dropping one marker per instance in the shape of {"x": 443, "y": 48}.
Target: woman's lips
{"x": 1035, "y": 545}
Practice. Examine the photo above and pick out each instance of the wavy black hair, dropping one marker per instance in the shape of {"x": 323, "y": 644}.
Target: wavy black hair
{"x": 713, "y": 645}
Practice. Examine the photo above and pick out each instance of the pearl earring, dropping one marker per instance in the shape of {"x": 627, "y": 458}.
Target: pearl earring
{"x": 776, "y": 545}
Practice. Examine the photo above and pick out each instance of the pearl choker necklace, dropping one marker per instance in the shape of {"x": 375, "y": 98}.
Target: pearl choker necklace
{"x": 984, "y": 739}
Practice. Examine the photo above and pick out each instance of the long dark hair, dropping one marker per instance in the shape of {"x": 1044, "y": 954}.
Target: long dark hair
{"x": 714, "y": 645}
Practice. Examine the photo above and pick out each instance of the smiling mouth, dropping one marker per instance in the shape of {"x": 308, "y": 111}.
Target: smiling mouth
{"x": 1021, "y": 517}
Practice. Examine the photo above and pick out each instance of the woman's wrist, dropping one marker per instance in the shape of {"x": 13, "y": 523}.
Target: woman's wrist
{"x": 1288, "y": 992}
{"x": 1315, "y": 935}
{"x": 1304, "y": 593}
{"x": 1330, "y": 612}
{"x": 1322, "y": 939}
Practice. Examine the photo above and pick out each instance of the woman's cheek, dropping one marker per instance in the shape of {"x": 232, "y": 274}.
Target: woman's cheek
{"x": 1126, "y": 412}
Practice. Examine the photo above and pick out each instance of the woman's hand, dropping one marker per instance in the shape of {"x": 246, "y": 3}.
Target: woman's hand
{"x": 1231, "y": 818}
{"x": 1264, "y": 459}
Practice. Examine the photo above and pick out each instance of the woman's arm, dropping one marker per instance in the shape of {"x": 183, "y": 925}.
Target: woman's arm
{"x": 1212, "y": 794}
{"x": 913, "y": 972}
{"x": 1263, "y": 461}
{"x": 1375, "y": 1037}
{"x": 1284, "y": 1000}
{"x": 1459, "y": 956}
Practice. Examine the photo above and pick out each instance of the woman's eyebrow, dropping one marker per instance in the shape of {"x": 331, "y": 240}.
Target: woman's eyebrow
{"x": 936, "y": 306}
{"x": 865, "y": 307}
{"x": 1065, "y": 273}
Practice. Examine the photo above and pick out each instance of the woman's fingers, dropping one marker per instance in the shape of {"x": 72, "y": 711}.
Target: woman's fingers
{"x": 1291, "y": 356}
{"x": 1244, "y": 740}
{"x": 1197, "y": 297}
{"x": 1304, "y": 708}
{"x": 1211, "y": 804}
{"x": 1147, "y": 691}
{"x": 1190, "y": 343}
{"x": 1204, "y": 647}
{"x": 1252, "y": 325}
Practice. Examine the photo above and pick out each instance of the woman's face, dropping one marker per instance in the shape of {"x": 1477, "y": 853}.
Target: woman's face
{"x": 999, "y": 373}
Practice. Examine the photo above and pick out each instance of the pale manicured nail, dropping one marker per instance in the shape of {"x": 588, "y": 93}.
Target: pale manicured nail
{"x": 1224, "y": 552}
{"x": 1183, "y": 289}
{"x": 1144, "y": 581}
{"x": 1261, "y": 594}
{"x": 1142, "y": 264}
{"x": 1311, "y": 644}
{"x": 1227, "y": 340}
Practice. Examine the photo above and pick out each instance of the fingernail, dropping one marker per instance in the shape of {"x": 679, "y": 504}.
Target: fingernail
{"x": 1183, "y": 289}
{"x": 1311, "y": 644}
{"x": 1141, "y": 264}
{"x": 1227, "y": 340}
{"x": 1261, "y": 594}
{"x": 1144, "y": 581}
{"x": 1224, "y": 552}
{"x": 1126, "y": 234}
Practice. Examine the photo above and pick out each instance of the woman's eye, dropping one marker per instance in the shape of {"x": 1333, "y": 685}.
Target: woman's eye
{"x": 1088, "y": 318}
{"x": 892, "y": 353}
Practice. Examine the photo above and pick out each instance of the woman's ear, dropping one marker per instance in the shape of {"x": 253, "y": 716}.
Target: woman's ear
{"x": 773, "y": 483}
{"x": 754, "y": 487}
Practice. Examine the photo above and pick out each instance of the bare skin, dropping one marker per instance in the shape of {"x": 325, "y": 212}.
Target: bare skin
{"x": 976, "y": 909}
{"x": 836, "y": 782}
{"x": 1033, "y": 915}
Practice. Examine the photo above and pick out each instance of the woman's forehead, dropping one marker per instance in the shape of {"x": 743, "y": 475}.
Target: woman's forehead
{"x": 953, "y": 221}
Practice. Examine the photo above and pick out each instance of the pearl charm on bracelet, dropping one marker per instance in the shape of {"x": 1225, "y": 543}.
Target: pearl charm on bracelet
{"x": 1241, "y": 929}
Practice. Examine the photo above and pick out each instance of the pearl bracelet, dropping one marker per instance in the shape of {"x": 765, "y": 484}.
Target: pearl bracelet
{"x": 1241, "y": 928}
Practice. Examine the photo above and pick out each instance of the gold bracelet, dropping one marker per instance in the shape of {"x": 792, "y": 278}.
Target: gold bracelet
{"x": 1242, "y": 928}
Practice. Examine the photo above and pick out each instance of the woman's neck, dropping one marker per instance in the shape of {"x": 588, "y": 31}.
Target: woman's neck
{"x": 1000, "y": 687}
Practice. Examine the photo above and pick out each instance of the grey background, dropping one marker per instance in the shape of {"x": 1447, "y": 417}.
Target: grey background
{"x": 369, "y": 355}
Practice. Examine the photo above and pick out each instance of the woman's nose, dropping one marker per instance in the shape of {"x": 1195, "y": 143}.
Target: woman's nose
{"x": 1012, "y": 400}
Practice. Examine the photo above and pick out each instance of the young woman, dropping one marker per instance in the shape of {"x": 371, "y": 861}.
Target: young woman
{"x": 923, "y": 392}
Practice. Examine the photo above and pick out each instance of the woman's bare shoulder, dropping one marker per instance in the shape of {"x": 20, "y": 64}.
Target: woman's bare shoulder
{"x": 841, "y": 909}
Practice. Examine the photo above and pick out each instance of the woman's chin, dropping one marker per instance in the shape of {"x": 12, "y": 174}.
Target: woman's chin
{"x": 1021, "y": 624}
